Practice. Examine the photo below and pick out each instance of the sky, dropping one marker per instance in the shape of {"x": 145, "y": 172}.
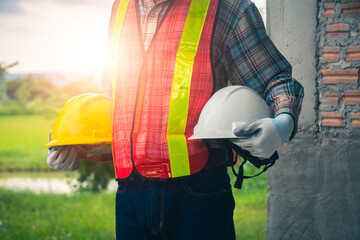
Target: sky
{"x": 55, "y": 35}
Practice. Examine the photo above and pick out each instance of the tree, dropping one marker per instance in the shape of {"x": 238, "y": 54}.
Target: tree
{"x": 34, "y": 95}
{"x": 3, "y": 70}
{"x": 25, "y": 90}
{"x": 80, "y": 86}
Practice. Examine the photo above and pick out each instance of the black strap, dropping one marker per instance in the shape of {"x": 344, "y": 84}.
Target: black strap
{"x": 246, "y": 155}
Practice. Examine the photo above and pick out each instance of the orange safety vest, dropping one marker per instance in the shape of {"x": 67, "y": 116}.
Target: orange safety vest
{"x": 158, "y": 94}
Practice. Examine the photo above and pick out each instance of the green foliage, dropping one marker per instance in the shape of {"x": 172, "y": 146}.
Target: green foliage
{"x": 3, "y": 70}
{"x": 94, "y": 176}
{"x": 2, "y": 80}
{"x": 35, "y": 87}
{"x": 10, "y": 107}
{"x": 83, "y": 85}
{"x": 32, "y": 95}
{"x": 38, "y": 95}
{"x": 12, "y": 86}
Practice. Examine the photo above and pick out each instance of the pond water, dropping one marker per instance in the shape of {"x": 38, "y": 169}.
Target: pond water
{"x": 58, "y": 183}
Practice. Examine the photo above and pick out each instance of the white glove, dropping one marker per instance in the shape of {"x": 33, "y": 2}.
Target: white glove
{"x": 264, "y": 136}
{"x": 63, "y": 158}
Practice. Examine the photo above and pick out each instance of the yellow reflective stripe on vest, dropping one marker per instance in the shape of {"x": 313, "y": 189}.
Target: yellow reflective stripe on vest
{"x": 119, "y": 20}
{"x": 180, "y": 90}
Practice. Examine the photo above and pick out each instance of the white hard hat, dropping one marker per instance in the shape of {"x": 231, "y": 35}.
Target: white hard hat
{"x": 227, "y": 109}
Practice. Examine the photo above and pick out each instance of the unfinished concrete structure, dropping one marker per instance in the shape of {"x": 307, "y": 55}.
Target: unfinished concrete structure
{"x": 314, "y": 188}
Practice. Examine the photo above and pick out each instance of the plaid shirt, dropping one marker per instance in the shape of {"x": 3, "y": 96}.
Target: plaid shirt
{"x": 151, "y": 12}
{"x": 242, "y": 54}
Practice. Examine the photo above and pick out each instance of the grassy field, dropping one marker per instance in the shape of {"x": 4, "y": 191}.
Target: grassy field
{"x": 21, "y": 142}
{"x": 250, "y": 210}
{"x": 24, "y": 215}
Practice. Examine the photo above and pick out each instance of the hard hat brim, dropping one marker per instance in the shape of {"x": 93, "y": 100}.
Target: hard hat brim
{"x": 228, "y": 109}
{"x": 84, "y": 120}
{"x": 77, "y": 141}
{"x": 213, "y": 135}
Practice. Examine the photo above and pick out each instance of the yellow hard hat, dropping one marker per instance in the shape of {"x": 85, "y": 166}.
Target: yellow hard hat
{"x": 85, "y": 119}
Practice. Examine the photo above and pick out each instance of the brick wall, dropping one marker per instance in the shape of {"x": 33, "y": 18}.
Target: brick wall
{"x": 313, "y": 187}
{"x": 338, "y": 67}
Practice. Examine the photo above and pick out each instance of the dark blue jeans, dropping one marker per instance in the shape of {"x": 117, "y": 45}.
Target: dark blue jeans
{"x": 200, "y": 207}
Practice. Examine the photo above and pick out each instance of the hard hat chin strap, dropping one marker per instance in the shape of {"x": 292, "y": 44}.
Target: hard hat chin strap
{"x": 246, "y": 155}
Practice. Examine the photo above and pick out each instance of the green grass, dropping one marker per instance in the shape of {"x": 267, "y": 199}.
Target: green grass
{"x": 24, "y": 215}
{"x": 41, "y": 175}
{"x": 250, "y": 210}
{"x": 21, "y": 142}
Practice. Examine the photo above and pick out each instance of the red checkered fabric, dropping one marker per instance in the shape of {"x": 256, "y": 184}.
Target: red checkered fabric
{"x": 240, "y": 53}
{"x": 151, "y": 12}
{"x": 143, "y": 91}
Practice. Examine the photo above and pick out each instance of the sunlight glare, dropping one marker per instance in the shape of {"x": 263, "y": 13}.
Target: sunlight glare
{"x": 89, "y": 52}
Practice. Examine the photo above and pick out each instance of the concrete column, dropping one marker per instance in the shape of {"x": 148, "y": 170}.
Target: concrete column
{"x": 291, "y": 24}
{"x": 314, "y": 190}
{"x": 314, "y": 186}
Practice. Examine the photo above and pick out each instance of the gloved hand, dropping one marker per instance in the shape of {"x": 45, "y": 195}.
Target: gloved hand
{"x": 98, "y": 152}
{"x": 63, "y": 158}
{"x": 264, "y": 136}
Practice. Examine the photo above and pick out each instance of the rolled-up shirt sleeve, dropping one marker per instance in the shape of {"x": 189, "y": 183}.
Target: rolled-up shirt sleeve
{"x": 255, "y": 62}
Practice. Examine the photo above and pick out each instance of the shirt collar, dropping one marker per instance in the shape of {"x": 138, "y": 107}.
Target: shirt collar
{"x": 151, "y": 3}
